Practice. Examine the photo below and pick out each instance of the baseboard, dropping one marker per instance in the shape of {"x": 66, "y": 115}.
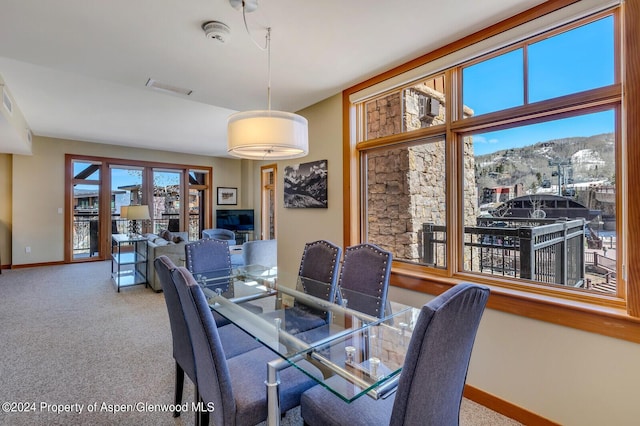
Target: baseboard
{"x": 33, "y": 265}
{"x": 506, "y": 408}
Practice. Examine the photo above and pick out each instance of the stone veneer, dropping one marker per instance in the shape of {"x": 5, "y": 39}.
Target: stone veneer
{"x": 406, "y": 185}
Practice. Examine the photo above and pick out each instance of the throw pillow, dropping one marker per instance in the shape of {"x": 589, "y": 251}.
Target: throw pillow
{"x": 178, "y": 239}
{"x": 160, "y": 242}
{"x": 166, "y": 234}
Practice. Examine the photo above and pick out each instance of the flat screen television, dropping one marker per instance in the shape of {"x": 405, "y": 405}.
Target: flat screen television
{"x": 235, "y": 220}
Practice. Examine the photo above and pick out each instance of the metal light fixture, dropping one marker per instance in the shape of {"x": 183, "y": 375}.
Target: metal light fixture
{"x": 266, "y": 134}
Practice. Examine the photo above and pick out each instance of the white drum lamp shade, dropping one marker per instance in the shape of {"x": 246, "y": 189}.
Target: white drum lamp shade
{"x": 267, "y": 134}
{"x": 136, "y": 214}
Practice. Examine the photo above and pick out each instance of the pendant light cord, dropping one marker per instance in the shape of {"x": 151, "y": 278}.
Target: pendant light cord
{"x": 266, "y": 47}
{"x": 268, "y": 36}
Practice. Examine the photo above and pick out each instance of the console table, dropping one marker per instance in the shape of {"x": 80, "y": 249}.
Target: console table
{"x": 129, "y": 260}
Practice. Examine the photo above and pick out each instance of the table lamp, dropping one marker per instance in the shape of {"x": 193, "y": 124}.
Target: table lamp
{"x": 136, "y": 214}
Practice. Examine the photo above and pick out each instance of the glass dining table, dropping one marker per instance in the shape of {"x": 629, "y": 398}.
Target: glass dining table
{"x": 357, "y": 354}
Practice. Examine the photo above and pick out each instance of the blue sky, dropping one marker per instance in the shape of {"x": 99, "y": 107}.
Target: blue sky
{"x": 571, "y": 62}
{"x": 585, "y": 125}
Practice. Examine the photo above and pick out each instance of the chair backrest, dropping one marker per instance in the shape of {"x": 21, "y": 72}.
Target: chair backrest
{"x": 320, "y": 262}
{"x": 182, "y": 351}
{"x": 366, "y": 269}
{"x": 435, "y": 369}
{"x": 220, "y": 234}
{"x": 207, "y": 255}
{"x": 211, "y": 365}
{"x": 213, "y": 258}
{"x": 260, "y": 252}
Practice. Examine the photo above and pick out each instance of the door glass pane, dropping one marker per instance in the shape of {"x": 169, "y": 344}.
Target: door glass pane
{"x": 544, "y": 203}
{"x": 126, "y": 190}
{"x": 198, "y": 185}
{"x": 165, "y": 213}
{"x": 577, "y": 60}
{"x": 406, "y": 201}
{"x": 84, "y": 170}
{"x": 494, "y": 84}
{"x": 86, "y": 209}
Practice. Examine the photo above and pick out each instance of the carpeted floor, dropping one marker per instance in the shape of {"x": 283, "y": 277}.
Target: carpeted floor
{"x": 69, "y": 341}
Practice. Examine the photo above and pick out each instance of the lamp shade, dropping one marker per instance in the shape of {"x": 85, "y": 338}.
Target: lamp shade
{"x": 123, "y": 211}
{"x": 138, "y": 213}
{"x": 267, "y": 134}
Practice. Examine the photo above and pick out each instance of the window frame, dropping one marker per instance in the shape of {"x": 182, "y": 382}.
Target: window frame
{"x": 147, "y": 168}
{"x": 612, "y": 316}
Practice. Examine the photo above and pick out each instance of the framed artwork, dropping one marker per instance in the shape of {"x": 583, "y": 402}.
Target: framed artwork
{"x": 227, "y": 196}
{"x": 305, "y": 185}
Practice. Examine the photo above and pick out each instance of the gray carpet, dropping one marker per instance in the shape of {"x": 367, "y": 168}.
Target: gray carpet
{"x": 67, "y": 337}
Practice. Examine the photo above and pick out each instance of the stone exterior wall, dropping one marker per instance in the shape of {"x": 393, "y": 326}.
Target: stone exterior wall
{"x": 384, "y": 116}
{"x": 407, "y": 185}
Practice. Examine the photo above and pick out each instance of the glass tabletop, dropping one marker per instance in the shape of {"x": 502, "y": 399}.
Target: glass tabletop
{"x": 294, "y": 317}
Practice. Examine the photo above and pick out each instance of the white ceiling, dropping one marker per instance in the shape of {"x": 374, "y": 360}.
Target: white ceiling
{"x": 77, "y": 68}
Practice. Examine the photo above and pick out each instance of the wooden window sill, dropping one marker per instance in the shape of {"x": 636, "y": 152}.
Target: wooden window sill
{"x": 605, "y": 315}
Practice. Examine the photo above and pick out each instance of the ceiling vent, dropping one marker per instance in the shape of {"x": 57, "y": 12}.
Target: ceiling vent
{"x": 154, "y": 84}
{"x": 6, "y": 101}
{"x": 217, "y": 31}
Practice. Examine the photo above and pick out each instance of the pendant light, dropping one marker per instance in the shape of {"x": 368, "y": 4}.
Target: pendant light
{"x": 266, "y": 134}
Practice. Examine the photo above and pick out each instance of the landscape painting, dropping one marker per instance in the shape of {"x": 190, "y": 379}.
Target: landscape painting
{"x": 305, "y": 185}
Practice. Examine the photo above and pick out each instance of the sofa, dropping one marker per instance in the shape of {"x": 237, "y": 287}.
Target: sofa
{"x": 170, "y": 244}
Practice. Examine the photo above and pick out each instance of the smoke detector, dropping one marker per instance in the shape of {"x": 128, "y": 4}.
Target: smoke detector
{"x": 217, "y": 30}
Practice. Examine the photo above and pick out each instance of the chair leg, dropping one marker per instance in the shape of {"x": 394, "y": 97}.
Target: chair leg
{"x": 179, "y": 386}
{"x": 198, "y": 419}
{"x": 202, "y": 417}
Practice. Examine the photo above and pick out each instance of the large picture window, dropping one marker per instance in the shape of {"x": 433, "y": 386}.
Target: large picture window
{"x": 519, "y": 181}
{"x": 545, "y": 204}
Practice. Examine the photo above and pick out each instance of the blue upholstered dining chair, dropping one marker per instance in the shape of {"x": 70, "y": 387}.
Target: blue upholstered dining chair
{"x": 318, "y": 276}
{"x": 320, "y": 262}
{"x": 235, "y": 340}
{"x": 365, "y": 270}
{"x": 207, "y": 256}
{"x": 434, "y": 373}
{"x": 220, "y": 234}
{"x": 182, "y": 352}
{"x": 260, "y": 252}
{"x": 318, "y": 271}
{"x": 236, "y": 386}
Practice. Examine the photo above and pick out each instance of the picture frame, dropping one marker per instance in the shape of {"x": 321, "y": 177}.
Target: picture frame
{"x": 305, "y": 185}
{"x": 227, "y": 196}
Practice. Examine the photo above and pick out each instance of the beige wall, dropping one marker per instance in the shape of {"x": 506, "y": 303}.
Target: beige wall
{"x": 299, "y": 226}
{"x": 38, "y": 191}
